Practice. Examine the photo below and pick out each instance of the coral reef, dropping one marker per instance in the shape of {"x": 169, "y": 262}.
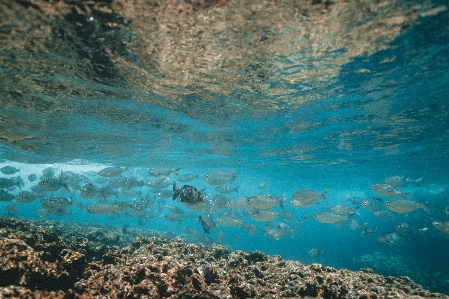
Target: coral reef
{"x": 35, "y": 262}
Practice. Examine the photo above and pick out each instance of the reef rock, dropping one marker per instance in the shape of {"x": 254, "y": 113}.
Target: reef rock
{"x": 160, "y": 268}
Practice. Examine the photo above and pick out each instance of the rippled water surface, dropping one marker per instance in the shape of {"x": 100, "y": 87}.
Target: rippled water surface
{"x": 289, "y": 95}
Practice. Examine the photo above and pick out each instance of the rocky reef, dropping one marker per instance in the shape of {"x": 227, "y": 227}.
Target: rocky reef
{"x": 66, "y": 260}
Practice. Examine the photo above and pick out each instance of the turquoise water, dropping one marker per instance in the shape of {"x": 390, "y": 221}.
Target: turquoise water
{"x": 283, "y": 109}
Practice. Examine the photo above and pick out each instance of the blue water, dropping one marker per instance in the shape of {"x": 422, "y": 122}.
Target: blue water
{"x": 380, "y": 115}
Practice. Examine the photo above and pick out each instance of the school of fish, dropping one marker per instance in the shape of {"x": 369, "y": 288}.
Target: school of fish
{"x": 168, "y": 194}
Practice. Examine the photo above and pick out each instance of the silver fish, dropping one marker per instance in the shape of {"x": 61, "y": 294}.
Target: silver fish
{"x": 118, "y": 182}
{"x": 306, "y": 197}
{"x": 227, "y": 220}
{"x": 218, "y": 202}
{"x": 265, "y": 201}
{"x": 251, "y": 229}
{"x": 49, "y": 172}
{"x": 27, "y": 196}
{"x": 174, "y": 209}
{"x": 11, "y": 182}
{"x": 357, "y": 201}
{"x": 400, "y": 181}
{"x": 267, "y": 215}
{"x": 314, "y": 252}
{"x": 160, "y": 183}
{"x": 372, "y": 203}
{"x": 342, "y": 210}
{"x": 445, "y": 211}
{"x": 442, "y": 226}
{"x": 165, "y": 193}
{"x": 52, "y": 184}
{"x": 5, "y": 195}
{"x": 10, "y": 208}
{"x": 37, "y": 189}
{"x": 9, "y": 170}
{"x": 104, "y": 208}
{"x": 405, "y": 206}
{"x": 71, "y": 179}
{"x": 56, "y": 205}
{"x": 368, "y": 232}
{"x": 393, "y": 239}
{"x": 157, "y": 172}
{"x": 219, "y": 177}
{"x": 133, "y": 183}
{"x": 298, "y": 205}
{"x": 385, "y": 215}
{"x": 405, "y": 228}
{"x": 262, "y": 185}
{"x": 107, "y": 192}
{"x": 112, "y": 171}
{"x": 329, "y": 217}
{"x": 175, "y": 217}
{"x": 387, "y": 190}
{"x": 89, "y": 191}
{"x": 237, "y": 202}
{"x": 225, "y": 189}
{"x": 354, "y": 224}
{"x": 280, "y": 231}
{"x": 188, "y": 177}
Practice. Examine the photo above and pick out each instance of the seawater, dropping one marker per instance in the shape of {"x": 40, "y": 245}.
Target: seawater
{"x": 337, "y": 118}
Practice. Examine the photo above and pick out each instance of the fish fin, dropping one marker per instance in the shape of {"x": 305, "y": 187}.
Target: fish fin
{"x": 237, "y": 189}
{"x": 176, "y": 171}
{"x": 176, "y": 191}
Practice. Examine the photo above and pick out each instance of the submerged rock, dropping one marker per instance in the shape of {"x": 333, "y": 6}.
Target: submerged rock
{"x": 161, "y": 268}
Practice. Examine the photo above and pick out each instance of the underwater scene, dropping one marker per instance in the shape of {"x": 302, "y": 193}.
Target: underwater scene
{"x": 224, "y": 149}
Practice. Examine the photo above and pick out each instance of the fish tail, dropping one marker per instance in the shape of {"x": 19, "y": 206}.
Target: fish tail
{"x": 116, "y": 193}
{"x": 404, "y": 195}
{"x": 418, "y": 182}
{"x": 267, "y": 228}
{"x": 176, "y": 191}
{"x": 286, "y": 215}
{"x": 176, "y": 171}
{"x": 66, "y": 186}
{"x": 282, "y": 201}
{"x": 425, "y": 208}
{"x": 323, "y": 194}
{"x": 237, "y": 189}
